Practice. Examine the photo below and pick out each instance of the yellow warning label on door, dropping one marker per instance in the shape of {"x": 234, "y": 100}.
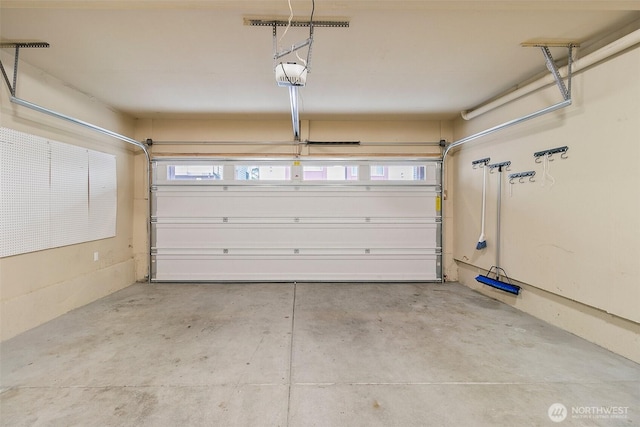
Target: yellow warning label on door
{"x": 438, "y": 204}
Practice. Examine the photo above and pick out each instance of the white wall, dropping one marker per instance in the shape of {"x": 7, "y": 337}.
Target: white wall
{"x": 574, "y": 244}
{"x": 40, "y": 286}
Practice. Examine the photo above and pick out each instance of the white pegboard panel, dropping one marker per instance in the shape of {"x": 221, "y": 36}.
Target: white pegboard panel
{"x": 68, "y": 194}
{"x": 103, "y": 195}
{"x": 24, "y": 192}
{"x": 46, "y": 190}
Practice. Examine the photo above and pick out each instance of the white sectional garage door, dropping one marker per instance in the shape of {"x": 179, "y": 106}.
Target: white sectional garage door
{"x": 294, "y": 220}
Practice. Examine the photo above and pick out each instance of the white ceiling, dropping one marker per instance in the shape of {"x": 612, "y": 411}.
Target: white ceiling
{"x": 409, "y": 59}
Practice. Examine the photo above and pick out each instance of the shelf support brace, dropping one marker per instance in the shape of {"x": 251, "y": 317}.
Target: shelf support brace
{"x": 17, "y": 46}
{"x": 565, "y": 90}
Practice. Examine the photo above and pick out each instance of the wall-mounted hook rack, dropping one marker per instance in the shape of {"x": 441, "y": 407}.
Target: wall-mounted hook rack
{"x": 481, "y": 162}
{"x": 550, "y": 152}
{"x": 500, "y": 165}
{"x": 521, "y": 175}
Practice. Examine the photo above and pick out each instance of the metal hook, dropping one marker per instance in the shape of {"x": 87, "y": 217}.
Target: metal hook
{"x": 531, "y": 179}
{"x": 521, "y": 180}
{"x": 491, "y": 170}
{"x": 550, "y": 157}
{"x": 511, "y": 181}
{"x": 538, "y": 160}
{"x": 564, "y": 155}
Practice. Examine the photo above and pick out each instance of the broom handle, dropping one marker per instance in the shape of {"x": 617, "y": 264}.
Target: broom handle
{"x": 498, "y": 223}
{"x": 484, "y": 195}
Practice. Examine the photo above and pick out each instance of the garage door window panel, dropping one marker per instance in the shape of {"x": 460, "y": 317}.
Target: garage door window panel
{"x": 398, "y": 173}
{"x": 262, "y": 173}
{"x": 330, "y": 173}
{"x": 194, "y": 172}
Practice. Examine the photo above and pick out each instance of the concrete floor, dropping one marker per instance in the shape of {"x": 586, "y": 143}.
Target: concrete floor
{"x": 309, "y": 355}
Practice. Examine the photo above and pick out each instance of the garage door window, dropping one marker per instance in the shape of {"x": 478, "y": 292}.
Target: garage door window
{"x": 398, "y": 173}
{"x": 330, "y": 173}
{"x": 194, "y": 172}
{"x": 262, "y": 173}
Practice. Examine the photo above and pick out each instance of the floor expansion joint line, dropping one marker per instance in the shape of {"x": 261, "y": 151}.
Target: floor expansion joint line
{"x": 324, "y": 384}
{"x": 140, "y": 386}
{"x": 293, "y": 317}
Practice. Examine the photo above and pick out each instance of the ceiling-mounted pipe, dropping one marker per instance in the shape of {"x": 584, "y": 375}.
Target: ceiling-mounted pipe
{"x": 601, "y": 54}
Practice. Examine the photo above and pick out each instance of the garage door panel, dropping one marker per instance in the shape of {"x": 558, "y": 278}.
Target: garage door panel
{"x": 227, "y": 230}
{"x": 296, "y": 204}
{"x": 283, "y": 268}
{"x": 295, "y": 235}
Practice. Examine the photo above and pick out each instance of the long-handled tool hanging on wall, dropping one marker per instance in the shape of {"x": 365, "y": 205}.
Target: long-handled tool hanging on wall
{"x": 498, "y": 271}
{"x": 482, "y": 241}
